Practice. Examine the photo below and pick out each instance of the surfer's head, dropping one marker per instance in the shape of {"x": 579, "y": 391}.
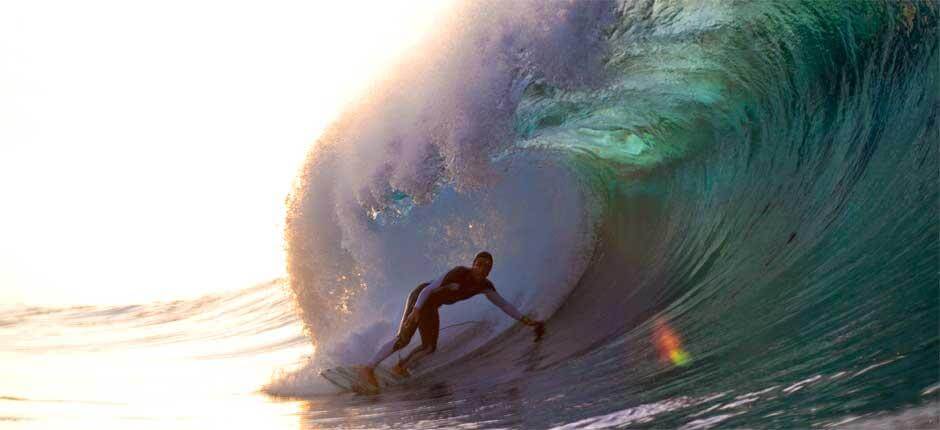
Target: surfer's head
{"x": 482, "y": 264}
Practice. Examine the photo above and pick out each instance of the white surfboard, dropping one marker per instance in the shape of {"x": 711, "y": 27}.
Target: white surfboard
{"x": 347, "y": 378}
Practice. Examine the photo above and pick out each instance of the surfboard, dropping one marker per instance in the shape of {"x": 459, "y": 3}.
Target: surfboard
{"x": 347, "y": 378}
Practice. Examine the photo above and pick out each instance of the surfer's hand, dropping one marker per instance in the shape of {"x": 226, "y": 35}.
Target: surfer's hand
{"x": 539, "y": 326}
{"x": 539, "y": 330}
{"x": 529, "y": 321}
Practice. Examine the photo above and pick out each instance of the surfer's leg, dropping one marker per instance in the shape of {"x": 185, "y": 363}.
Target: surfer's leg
{"x": 405, "y": 332}
{"x": 429, "y": 326}
{"x": 399, "y": 342}
{"x": 410, "y": 304}
{"x": 383, "y": 352}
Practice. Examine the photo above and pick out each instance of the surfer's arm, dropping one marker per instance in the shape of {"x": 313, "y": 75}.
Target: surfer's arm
{"x": 511, "y": 310}
{"x": 427, "y": 291}
{"x": 506, "y": 307}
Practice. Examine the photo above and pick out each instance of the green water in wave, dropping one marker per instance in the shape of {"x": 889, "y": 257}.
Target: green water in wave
{"x": 790, "y": 152}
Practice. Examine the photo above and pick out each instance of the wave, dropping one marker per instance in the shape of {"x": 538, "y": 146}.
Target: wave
{"x": 756, "y": 179}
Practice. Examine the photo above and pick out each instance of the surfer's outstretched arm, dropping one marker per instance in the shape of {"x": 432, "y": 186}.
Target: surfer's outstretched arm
{"x": 501, "y": 303}
{"x": 511, "y": 310}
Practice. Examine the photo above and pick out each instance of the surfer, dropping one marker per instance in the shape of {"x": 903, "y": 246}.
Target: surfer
{"x": 460, "y": 283}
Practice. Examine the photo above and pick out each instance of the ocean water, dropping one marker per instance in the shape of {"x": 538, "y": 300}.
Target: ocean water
{"x": 726, "y": 212}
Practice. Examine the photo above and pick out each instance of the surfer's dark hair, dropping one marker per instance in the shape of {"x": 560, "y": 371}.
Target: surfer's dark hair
{"x": 485, "y": 255}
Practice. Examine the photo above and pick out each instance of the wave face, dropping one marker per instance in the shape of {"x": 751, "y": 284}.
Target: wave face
{"x": 726, "y": 211}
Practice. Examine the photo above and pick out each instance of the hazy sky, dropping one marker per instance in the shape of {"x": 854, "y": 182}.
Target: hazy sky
{"x": 146, "y": 148}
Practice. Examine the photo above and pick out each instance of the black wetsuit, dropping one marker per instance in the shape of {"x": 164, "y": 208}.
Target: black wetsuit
{"x": 429, "y": 320}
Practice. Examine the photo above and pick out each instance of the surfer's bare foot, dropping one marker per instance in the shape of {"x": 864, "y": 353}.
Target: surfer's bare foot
{"x": 400, "y": 371}
{"x": 367, "y": 374}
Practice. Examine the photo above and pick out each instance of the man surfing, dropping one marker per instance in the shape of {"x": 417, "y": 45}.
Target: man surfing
{"x": 421, "y": 313}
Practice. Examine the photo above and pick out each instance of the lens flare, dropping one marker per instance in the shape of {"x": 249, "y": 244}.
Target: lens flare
{"x": 669, "y": 344}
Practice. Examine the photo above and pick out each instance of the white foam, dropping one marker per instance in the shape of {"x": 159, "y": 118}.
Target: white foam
{"x": 434, "y": 131}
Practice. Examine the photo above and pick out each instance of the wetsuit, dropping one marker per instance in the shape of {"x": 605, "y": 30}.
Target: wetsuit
{"x": 457, "y": 285}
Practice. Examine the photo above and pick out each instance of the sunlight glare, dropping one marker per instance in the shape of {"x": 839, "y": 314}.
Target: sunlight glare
{"x": 146, "y": 149}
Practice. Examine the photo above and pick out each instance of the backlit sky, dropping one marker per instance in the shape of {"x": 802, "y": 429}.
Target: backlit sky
{"x": 146, "y": 148}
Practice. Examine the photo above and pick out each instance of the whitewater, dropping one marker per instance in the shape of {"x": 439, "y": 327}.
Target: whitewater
{"x": 726, "y": 213}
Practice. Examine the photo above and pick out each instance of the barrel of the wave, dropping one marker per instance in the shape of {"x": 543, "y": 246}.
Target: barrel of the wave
{"x": 669, "y": 344}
